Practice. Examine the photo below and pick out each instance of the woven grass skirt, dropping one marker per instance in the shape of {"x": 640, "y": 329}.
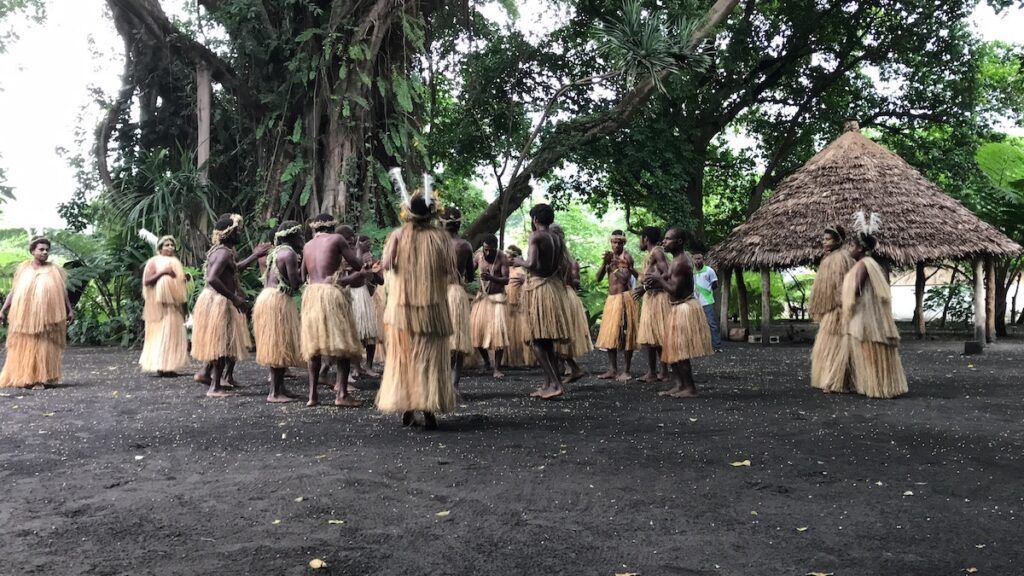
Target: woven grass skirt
{"x": 689, "y": 335}
{"x": 219, "y": 330}
{"x": 579, "y": 344}
{"x": 460, "y": 309}
{"x": 365, "y": 313}
{"x": 34, "y": 358}
{"x": 165, "y": 348}
{"x": 328, "y": 326}
{"x": 543, "y": 303}
{"x": 489, "y": 322}
{"x": 417, "y": 375}
{"x": 877, "y": 369}
{"x": 278, "y": 330}
{"x": 654, "y": 315}
{"x": 619, "y": 323}
{"x": 830, "y": 357}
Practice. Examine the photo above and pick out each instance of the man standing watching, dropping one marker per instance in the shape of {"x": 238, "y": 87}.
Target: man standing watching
{"x": 705, "y": 282}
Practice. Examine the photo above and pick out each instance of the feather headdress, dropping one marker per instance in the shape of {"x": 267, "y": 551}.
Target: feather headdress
{"x": 867, "y": 225}
{"x": 150, "y": 238}
{"x": 399, "y": 184}
{"x": 428, "y": 189}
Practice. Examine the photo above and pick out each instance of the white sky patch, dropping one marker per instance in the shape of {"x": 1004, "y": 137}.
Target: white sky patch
{"x": 46, "y": 74}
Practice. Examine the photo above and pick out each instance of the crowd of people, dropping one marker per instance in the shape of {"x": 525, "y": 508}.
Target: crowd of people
{"x": 412, "y": 308}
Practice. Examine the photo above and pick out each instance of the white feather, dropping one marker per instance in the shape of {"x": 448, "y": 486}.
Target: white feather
{"x": 396, "y": 180}
{"x": 148, "y": 236}
{"x": 428, "y": 189}
{"x": 874, "y": 223}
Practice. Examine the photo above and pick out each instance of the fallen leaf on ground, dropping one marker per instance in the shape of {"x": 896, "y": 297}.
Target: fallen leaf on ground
{"x": 753, "y": 512}
{"x": 979, "y": 546}
{"x": 317, "y": 564}
{"x": 49, "y": 414}
{"x": 276, "y": 522}
{"x": 971, "y": 570}
{"x": 335, "y": 521}
{"x": 627, "y": 574}
{"x": 820, "y": 574}
{"x": 803, "y": 529}
{"x": 299, "y": 499}
{"x": 319, "y": 456}
{"x": 740, "y": 463}
{"x": 908, "y": 493}
{"x": 139, "y": 457}
{"x": 443, "y": 513}
{"x": 693, "y": 419}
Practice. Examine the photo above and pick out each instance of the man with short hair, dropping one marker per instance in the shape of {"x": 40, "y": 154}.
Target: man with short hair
{"x": 655, "y": 309}
{"x": 706, "y": 282}
{"x": 688, "y": 335}
{"x": 368, "y": 317}
{"x": 275, "y": 318}
{"x": 488, "y": 322}
{"x": 619, "y": 321}
{"x": 544, "y": 298}
{"x": 328, "y": 327}
{"x": 459, "y": 305}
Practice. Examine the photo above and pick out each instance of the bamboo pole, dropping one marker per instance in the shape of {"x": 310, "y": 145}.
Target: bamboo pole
{"x": 979, "y": 302}
{"x": 723, "y": 317}
{"x": 919, "y": 289}
{"x": 990, "y": 299}
{"x": 766, "y": 306}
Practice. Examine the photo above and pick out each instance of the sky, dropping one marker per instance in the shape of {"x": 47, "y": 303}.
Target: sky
{"x": 47, "y": 75}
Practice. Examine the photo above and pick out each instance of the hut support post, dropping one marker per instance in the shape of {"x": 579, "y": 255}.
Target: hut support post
{"x": 979, "y": 302}
{"x": 742, "y": 302}
{"x": 919, "y": 289}
{"x": 723, "y": 317}
{"x": 766, "y": 306}
{"x": 990, "y": 299}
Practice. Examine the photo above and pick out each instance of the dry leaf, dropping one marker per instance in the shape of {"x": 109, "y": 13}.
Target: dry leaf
{"x": 971, "y": 570}
{"x": 803, "y": 529}
{"x": 317, "y": 564}
{"x": 820, "y": 574}
{"x": 276, "y": 522}
{"x": 693, "y": 419}
{"x": 979, "y": 546}
{"x": 627, "y": 574}
{"x": 753, "y": 512}
{"x": 443, "y": 513}
{"x": 908, "y": 493}
{"x": 284, "y": 436}
{"x": 335, "y": 521}
{"x": 299, "y": 499}
{"x": 320, "y": 456}
{"x": 139, "y": 457}
{"x": 741, "y": 463}
{"x": 49, "y": 414}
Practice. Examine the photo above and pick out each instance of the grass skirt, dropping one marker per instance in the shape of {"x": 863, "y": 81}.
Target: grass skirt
{"x": 219, "y": 330}
{"x": 519, "y": 351}
{"x": 166, "y": 345}
{"x": 489, "y": 322}
{"x": 654, "y": 316}
{"x": 380, "y": 302}
{"x": 579, "y": 343}
{"x": 37, "y": 334}
{"x": 365, "y": 314}
{"x": 33, "y": 358}
{"x": 619, "y": 323}
{"x": 877, "y": 369}
{"x": 276, "y": 324}
{"x": 459, "y": 309}
{"x": 543, "y": 301}
{"x": 417, "y": 375}
{"x": 328, "y": 326}
{"x": 830, "y": 357}
{"x": 689, "y": 335}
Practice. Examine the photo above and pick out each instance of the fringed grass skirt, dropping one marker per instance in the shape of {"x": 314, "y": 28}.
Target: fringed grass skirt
{"x": 365, "y": 313}
{"x": 328, "y": 328}
{"x": 165, "y": 348}
{"x": 489, "y": 322}
{"x": 278, "y": 329}
{"x": 579, "y": 344}
{"x": 417, "y": 375}
{"x": 689, "y": 335}
{"x": 380, "y": 302}
{"x": 619, "y": 323}
{"x": 219, "y": 330}
{"x": 877, "y": 369}
{"x": 830, "y": 357}
{"x": 460, "y": 309}
{"x": 34, "y": 358}
{"x": 543, "y": 301}
{"x": 519, "y": 351}
{"x": 654, "y": 315}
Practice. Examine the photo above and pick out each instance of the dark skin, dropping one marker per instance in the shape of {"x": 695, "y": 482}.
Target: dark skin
{"x": 288, "y": 271}
{"x": 322, "y": 257}
{"x": 619, "y": 267}
{"x": 858, "y": 253}
{"x": 494, "y": 274}
{"x": 222, "y": 276}
{"x": 466, "y": 267}
{"x": 678, "y": 282}
{"x": 364, "y": 249}
{"x": 40, "y": 258}
{"x": 151, "y": 275}
{"x": 547, "y": 253}
{"x": 658, "y": 264}
{"x": 572, "y": 282}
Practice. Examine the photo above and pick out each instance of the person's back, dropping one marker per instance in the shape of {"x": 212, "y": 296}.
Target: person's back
{"x": 322, "y": 258}
{"x": 550, "y": 253}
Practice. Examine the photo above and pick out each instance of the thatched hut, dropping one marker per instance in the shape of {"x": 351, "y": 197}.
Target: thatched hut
{"x": 920, "y": 222}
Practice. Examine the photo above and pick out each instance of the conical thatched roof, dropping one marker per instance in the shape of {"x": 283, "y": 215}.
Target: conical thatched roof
{"x": 919, "y": 222}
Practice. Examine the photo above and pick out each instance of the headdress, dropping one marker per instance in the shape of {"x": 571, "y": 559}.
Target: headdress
{"x": 36, "y": 240}
{"x": 219, "y": 235}
{"x": 399, "y": 184}
{"x": 838, "y": 231}
{"x": 322, "y": 225}
{"x": 281, "y": 234}
{"x": 164, "y": 239}
{"x": 149, "y": 237}
{"x": 867, "y": 226}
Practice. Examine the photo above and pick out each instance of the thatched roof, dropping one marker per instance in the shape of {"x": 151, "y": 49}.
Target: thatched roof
{"x": 919, "y": 222}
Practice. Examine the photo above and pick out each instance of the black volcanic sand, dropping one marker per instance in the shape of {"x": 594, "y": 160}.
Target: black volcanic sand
{"x": 118, "y": 473}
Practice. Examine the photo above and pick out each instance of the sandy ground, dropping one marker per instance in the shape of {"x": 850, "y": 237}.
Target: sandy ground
{"x": 119, "y": 473}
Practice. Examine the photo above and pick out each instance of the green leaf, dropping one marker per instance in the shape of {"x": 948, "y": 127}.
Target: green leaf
{"x": 306, "y": 190}
{"x": 357, "y": 52}
{"x": 307, "y": 34}
{"x": 403, "y": 95}
{"x": 361, "y": 101}
{"x": 297, "y": 132}
{"x": 292, "y": 170}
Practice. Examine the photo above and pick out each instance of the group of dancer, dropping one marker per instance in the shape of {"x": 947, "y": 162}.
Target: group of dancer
{"x": 413, "y": 306}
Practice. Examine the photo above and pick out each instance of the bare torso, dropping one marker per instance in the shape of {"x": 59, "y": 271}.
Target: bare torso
{"x": 286, "y": 270}
{"x": 547, "y": 254}
{"x": 681, "y": 275}
{"x": 323, "y": 256}
{"x": 499, "y": 269}
{"x": 463, "y": 259}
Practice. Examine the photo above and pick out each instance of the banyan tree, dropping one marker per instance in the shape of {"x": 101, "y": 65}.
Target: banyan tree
{"x": 921, "y": 225}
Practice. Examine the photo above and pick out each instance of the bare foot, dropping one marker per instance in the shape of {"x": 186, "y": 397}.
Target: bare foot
{"x": 218, "y": 394}
{"x": 39, "y": 387}
{"x": 311, "y": 403}
{"x": 499, "y": 374}
{"x": 539, "y": 392}
{"x": 650, "y": 377}
{"x": 281, "y": 399}
{"x": 347, "y": 402}
{"x": 685, "y": 393}
{"x": 199, "y": 377}
{"x": 370, "y": 373}
{"x": 231, "y": 384}
{"x": 670, "y": 391}
{"x": 607, "y": 375}
{"x": 624, "y": 377}
{"x": 663, "y": 377}
{"x": 574, "y": 376}
{"x": 552, "y": 393}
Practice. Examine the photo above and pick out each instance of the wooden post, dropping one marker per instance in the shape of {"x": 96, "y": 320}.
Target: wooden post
{"x": 979, "y": 302}
{"x": 203, "y": 97}
{"x": 990, "y": 299}
{"x": 766, "y": 306}
{"x": 919, "y": 289}
{"x": 723, "y": 317}
{"x": 742, "y": 301}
